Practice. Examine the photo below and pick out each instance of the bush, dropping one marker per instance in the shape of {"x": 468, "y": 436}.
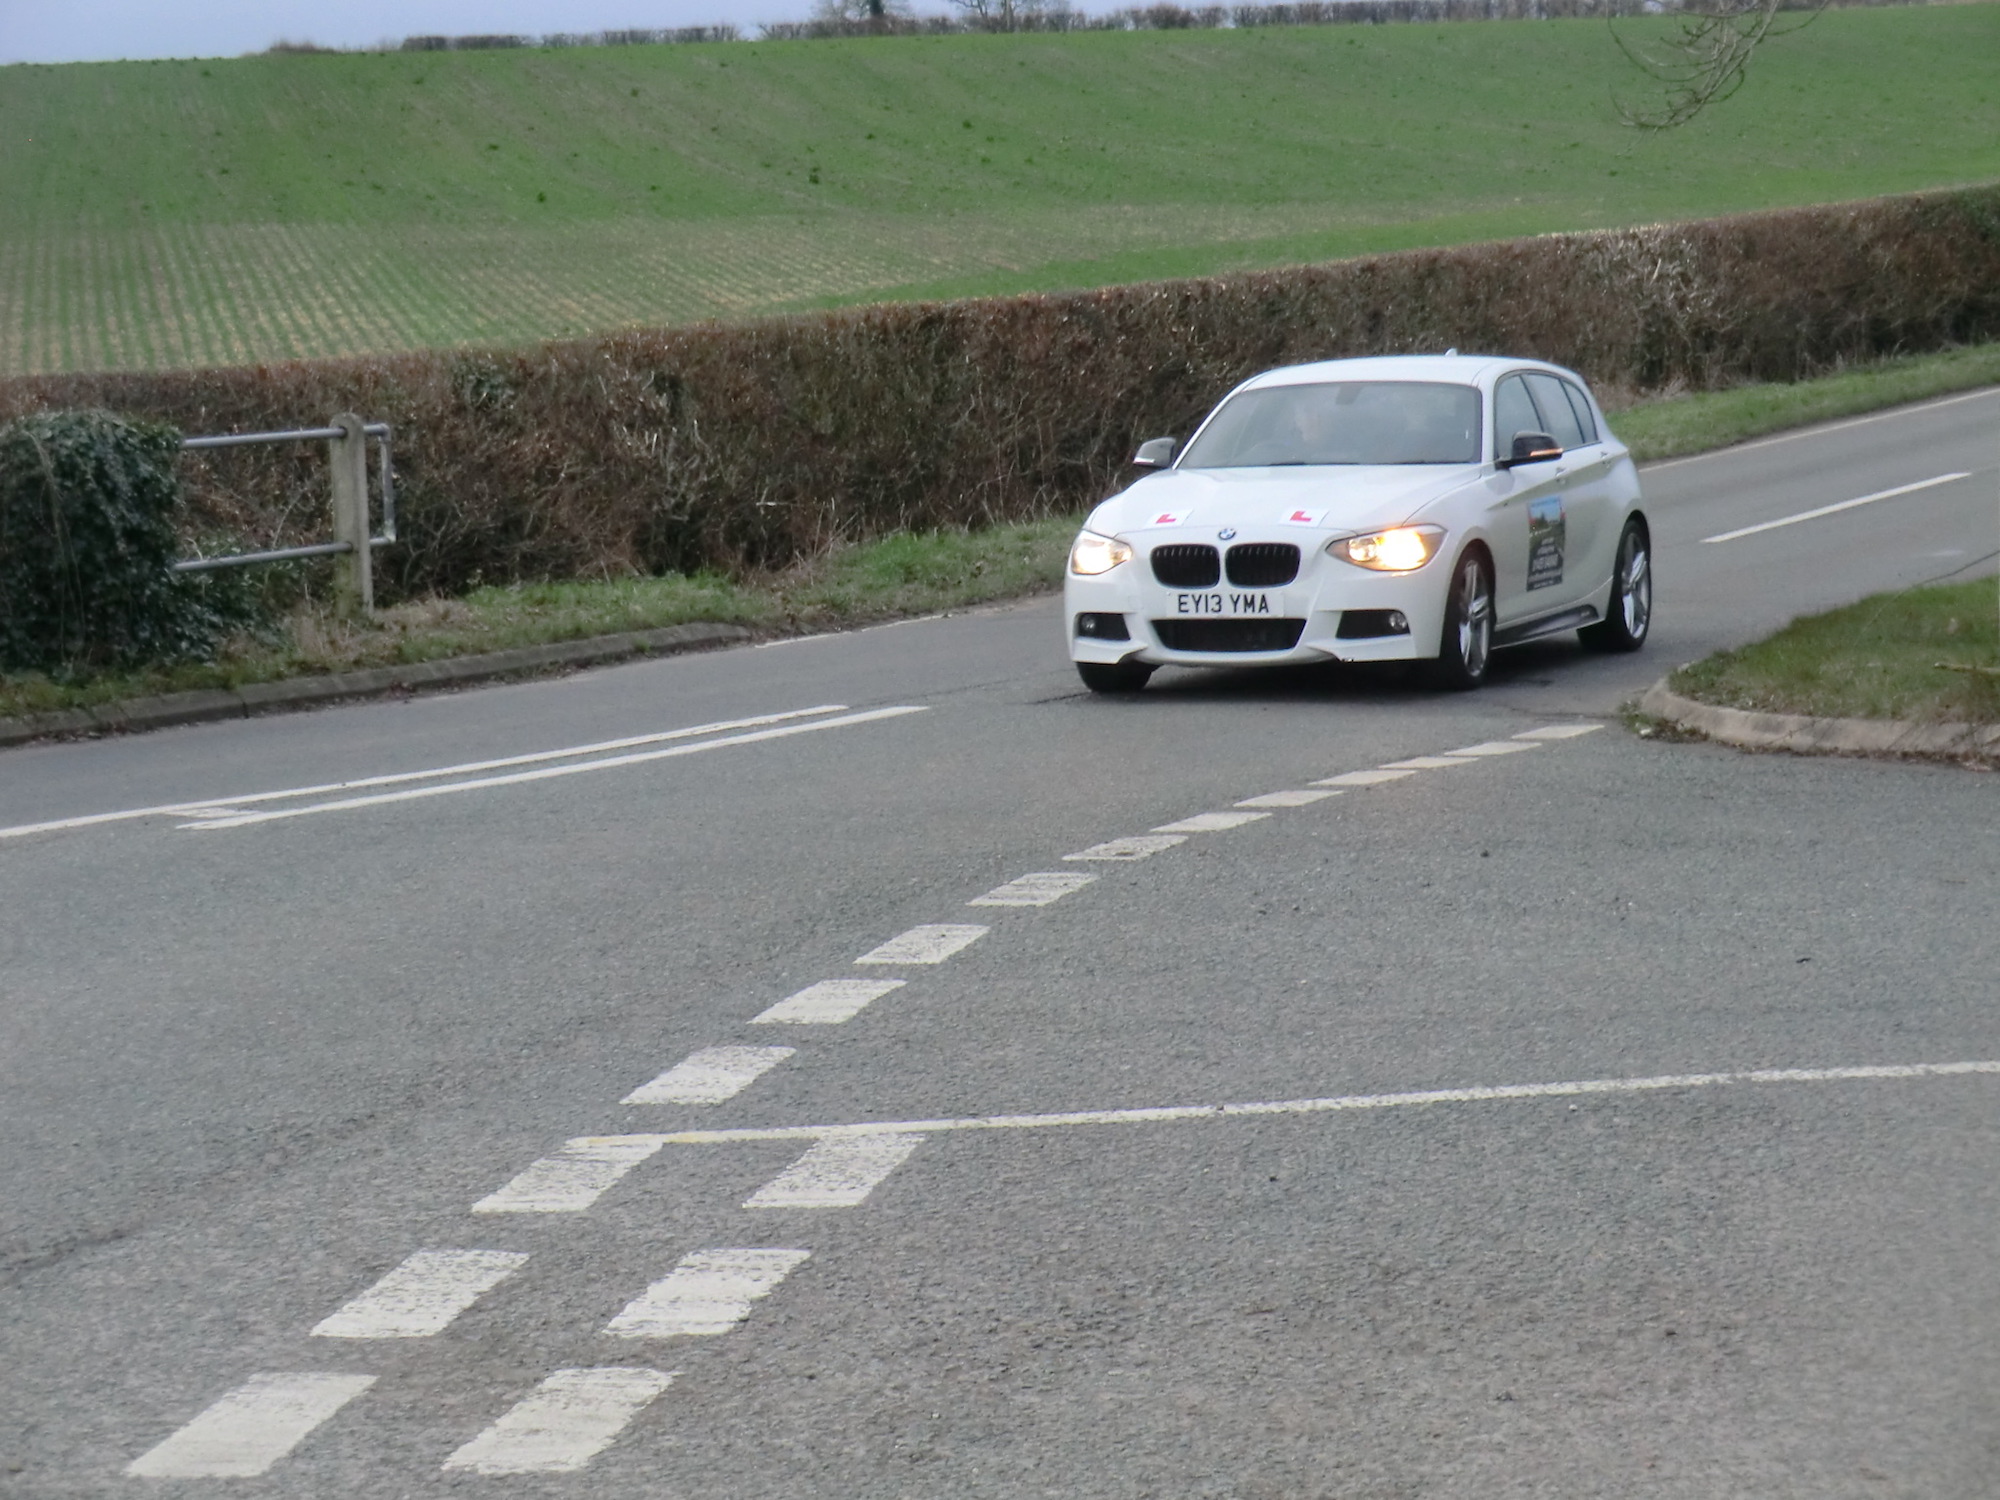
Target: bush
{"x": 88, "y": 536}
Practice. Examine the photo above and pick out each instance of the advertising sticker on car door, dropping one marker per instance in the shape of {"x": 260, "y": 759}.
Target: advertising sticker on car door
{"x": 1546, "y": 534}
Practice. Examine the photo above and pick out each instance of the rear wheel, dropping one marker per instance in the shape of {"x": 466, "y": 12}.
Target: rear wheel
{"x": 1113, "y": 676}
{"x": 1467, "y": 643}
{"x": 1630, "y": 614}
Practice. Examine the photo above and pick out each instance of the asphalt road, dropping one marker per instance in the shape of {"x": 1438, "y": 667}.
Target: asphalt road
{"x": 287, "y": 1209}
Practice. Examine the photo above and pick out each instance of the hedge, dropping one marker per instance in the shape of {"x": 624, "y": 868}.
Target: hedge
{"x": 747, "y": 446}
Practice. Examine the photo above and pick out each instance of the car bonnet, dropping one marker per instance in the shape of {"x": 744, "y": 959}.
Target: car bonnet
{"x": 1329, "y": 499}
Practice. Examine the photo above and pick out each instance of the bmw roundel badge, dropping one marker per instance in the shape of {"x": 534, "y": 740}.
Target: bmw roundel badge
{"x": 1227, "y": 534}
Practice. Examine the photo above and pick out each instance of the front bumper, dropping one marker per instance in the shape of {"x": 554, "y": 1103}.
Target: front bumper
{"x": 1161, "y": 623}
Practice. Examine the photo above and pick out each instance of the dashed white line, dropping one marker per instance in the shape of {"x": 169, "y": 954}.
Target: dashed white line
{"x": 837, "y": 1173}
{"x": 231, "y": 806}
{"x": 1497, "y": 747}
{"x": 1364, "y": 778}
{"x": 571, "y": 1181}
{"x": 422, "y": 1295}
{"x": 547, "y": 773}
{"x": 708, "y": 1293}
{"x": 1140, "y": 846}
{"x": 1827, "y": 510}
{"x": 827, "y": 1003}
{"x": 1039, "y": 889}
{"x": 1211, "y": 822}
{"x": 930, "y": 944}
{"x": 1558, "y": 731}
{"x": 1430, "y": 762}
{"x": 1300, "y": 798}
{"x": 563, "y": 1423}
{"x": 709, "y": 1076}
{"x": 1169, "y": 1114}
{"x": 251, "y": 1428}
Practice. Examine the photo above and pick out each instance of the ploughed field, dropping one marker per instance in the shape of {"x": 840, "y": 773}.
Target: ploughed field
{"x": 161, "y": 214}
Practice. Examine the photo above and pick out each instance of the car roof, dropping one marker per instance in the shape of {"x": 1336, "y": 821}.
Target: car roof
{"x": 1455, "y": 369}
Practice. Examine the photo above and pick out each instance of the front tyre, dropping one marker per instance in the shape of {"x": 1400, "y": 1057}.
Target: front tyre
{"x": 1113, "y": 676}
{"x": 1467, "y": 643}
{"x": 1630, "y": 615}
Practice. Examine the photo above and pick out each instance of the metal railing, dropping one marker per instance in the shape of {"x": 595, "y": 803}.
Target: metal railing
{"x": 347, "y": 443}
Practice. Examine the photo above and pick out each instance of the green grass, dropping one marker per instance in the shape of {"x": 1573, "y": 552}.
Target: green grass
{"x": 905, "y": 575}
{"x": 1875, "y": 659}
{"x": 1670, "y": 426}
{"x": 157, "y": 214}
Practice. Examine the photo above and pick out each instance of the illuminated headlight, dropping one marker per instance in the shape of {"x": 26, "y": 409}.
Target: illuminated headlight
{"x": 1094, "y": 554}
{"x": 1403, "y": 550}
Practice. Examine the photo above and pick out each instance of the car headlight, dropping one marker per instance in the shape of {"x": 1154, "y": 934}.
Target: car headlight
{"x": 1401, "y": 550}
{"x": 1093, "y": 554}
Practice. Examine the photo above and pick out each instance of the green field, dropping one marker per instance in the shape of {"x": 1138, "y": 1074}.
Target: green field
{"x": 161, "y": 214}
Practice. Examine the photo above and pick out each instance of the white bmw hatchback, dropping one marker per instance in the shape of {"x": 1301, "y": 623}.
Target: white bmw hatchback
{"x": 1407, "y": 508}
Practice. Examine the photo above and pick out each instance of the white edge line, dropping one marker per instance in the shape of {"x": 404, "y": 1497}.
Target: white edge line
{"x": 1346, "y": 1102}
{"x": 395, "y": 778}
{"x": 1828, "y": 510}
{"x": 1820, "y": 429}
{"x": 548, "y": 773}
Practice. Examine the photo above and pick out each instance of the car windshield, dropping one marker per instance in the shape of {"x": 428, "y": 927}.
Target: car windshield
{"x": 1344, "y": 422}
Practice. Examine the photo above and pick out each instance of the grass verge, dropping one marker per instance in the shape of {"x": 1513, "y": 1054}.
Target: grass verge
{"x": 1877, "y": 659}
{"x": 914, "y": 574}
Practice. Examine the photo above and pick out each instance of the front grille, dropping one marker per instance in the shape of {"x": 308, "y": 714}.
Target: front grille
{"x": 1263, "y": 565}
{"x": 1187, "y": 565}
{"x": 1229, "y": 635}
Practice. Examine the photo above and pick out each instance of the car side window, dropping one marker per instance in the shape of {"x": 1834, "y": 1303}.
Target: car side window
{"x": 1556, "y": 411}
{"x": 1513, "y": 411}
{"x": 1580, "y": 404}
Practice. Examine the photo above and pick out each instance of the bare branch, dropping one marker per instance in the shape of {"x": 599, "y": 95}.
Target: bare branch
{"x": 1704, "y": 60}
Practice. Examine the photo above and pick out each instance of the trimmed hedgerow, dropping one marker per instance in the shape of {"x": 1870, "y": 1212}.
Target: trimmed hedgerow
{"x": 89, "y": 506}
{"x": 740, "y": 447}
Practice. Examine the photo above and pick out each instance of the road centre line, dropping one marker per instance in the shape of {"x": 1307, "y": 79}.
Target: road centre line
{"x": 563, "y": 1423}
{"x": 708, "y": 1293}
{"x": 548, "y": 773}
{"x": 836, "y": 1173}
{"x": 570, "y": 1181}
{"x": 1827, "y": 510}
{"x": 1558, "y": 732}
{"x": 1363, "y": 778}
{"x": 1820, "y": 431}
{"x": 1211, "y": 822}
{"x": 1042, "y": 888}
{"x": 250, "y": 1428}
{"x": 827, "y": 1003}
{"x": 226, "y": 806}
{"x": 1139, "y": 846}
{"x": 1301, "y": 798}
{"x": 422, "y": 1295}
{"x": 709, "y": 1076}
{"x": 1429, "y": 763}
{"x": 929, "y": 944}
{"x": 1494, "y": 747}
{"x": 1346, "y": 1103}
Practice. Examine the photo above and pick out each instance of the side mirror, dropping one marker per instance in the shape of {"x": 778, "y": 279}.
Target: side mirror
{"x": 1156, "y": 454}
{"x": 1531, "y": 448}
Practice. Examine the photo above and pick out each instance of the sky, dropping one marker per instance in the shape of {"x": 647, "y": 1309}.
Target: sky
{"x": 89, "y": 30}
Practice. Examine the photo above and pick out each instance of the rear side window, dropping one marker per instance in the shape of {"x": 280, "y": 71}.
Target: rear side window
{"x": 1513, "y": 411}
{"x": 1557, "y": 413}
{"x": 1585, "y": 417}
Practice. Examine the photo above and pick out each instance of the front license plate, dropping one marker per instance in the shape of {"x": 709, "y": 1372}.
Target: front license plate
{"x": 1225, "y": 604}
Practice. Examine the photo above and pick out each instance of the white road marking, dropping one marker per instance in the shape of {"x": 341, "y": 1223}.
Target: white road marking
{"x": 1821, "y": 431}
{"x": 251, "y": 1428}
{"x": 1168, "y": 1114}
{"x": 563, "y": 1423}
{"x": 1827, "y": 510}
{"x": 548, "y": 773}
{"x": 1140, "y": 846}
{"x": 836, "y": 1173}
{"x": 1429, "y": 763}
{"x": 422, "y": 1295}
{"x": 1558, "y": 731}
{"x": 1211, "y": 822}
{"x": 1301, "y": 798}
{"x": 827, "y": 1003}
{"x": 709, "y": 1292}
{"x": 230, "y": 806}
{"x": 930, "y": 944}
{"x": 709, "y": 1076}
{"x": 1034, "y": 890}
{"x": 1497, "y": 747}
{"x": 1363, "y": 778}
{"x": 569, "y": 1183}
